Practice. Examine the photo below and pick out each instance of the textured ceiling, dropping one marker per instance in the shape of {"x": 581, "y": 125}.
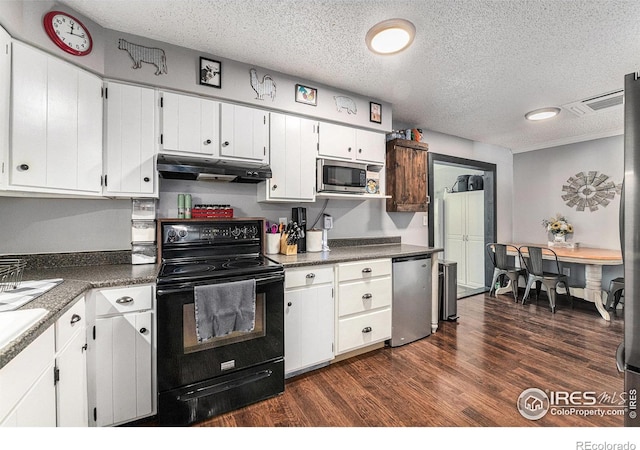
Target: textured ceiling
{"x": 475, "y": 68}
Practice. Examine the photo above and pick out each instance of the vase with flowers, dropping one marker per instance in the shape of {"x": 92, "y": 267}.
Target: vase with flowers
{"x": 558, "y": 228}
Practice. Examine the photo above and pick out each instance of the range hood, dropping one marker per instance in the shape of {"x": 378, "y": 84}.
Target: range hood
{"x": 209, "y": 169}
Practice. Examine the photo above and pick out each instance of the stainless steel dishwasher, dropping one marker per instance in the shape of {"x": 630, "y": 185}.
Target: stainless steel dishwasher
{"x": 411, "y": 310}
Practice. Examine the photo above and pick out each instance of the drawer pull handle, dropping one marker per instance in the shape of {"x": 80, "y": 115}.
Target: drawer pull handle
{"x": 366, "y": 270}
{"x": 84, "y": 348}
{"x": 143, "y": 330}
{"x": 75, "y": 318}
{"x": 311, "y": 275}
{"x": 366, "y": 296}
{"x": 124, "y": 300}
{"x": 366, "y": 330}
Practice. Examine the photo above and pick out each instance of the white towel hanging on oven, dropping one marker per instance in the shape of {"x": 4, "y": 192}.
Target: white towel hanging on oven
{"x": 224, "y": 307}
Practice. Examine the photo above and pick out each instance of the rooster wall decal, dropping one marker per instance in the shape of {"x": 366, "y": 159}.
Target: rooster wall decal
{"x": 265, "y": 87}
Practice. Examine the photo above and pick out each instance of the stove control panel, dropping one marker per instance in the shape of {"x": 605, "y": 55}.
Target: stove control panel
{"x": 207, "y": 232}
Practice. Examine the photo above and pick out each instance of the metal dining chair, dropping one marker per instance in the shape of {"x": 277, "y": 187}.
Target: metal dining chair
{"x": 501, "y": 267}
{"x": 531, "y": 258}
{"x": 615, "y": 294}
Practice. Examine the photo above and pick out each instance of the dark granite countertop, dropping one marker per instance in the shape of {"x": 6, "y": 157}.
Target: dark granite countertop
{"x": 77, "y": 281}
{"x": 352, "y": 253}
{"x": 82, "y": 272}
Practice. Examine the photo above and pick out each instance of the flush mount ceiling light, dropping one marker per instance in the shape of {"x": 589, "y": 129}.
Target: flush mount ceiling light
{"x": 541, "y": 114}
{"x": 390, "y": 36}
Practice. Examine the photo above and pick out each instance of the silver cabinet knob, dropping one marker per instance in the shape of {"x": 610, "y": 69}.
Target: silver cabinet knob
{"x": 23, "y": 167}
{"x": 75, "y": 319}
{"x": 366, "y": 270}
{"x": 143, "y": 330}
{"x": 311, "y": 275}
{"x": 366, "y": 330}
{"x": 367, "y": 296}
{"x": 124, "y": 300}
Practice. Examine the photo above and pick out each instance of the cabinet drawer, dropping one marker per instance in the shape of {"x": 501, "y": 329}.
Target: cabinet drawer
{"x": 307, "y": 276}
{"x": 362, "y": 270}
{"x": 123, "y": 300}
{"x": 365, "y": 329}
{"x": 361, "y": 296}
{"x": 69, "y": 323}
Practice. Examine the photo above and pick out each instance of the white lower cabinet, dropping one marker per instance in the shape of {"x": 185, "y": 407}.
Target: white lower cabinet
{"x": 46, "y": 384}
{"x": 122, "y": 365}
{"x": 27, "y": 390}
{"x": 309, "y": 318}
{"x": 71, "y": 367}
{"x": 364, "y": 304}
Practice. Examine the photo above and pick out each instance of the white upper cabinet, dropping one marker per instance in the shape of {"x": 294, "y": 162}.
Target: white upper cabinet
{"x": 293, "y": 152}
{"x": 190, "y": 125}
{"x": 339, "y": 141}
{"x": 244, "y": 133}
{"x": 56, "y": 125}
{"x": 130, "y": 141}
{"x": 5, "y": 95}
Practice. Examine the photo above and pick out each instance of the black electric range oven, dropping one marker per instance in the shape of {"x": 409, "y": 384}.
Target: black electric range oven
{"x": 201, "y": 379}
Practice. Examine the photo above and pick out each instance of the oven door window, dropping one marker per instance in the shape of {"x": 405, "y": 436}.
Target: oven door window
{"x": 190, "y": 339}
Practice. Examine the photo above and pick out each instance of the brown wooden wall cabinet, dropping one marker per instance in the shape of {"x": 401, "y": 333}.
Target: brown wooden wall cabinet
{"x": 406, "y": 176}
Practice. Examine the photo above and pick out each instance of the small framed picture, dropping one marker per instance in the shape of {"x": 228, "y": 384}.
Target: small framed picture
{"x": 210, "y": 73}
{"x": 375, "y": 112}
{"x": 306, "y": 95}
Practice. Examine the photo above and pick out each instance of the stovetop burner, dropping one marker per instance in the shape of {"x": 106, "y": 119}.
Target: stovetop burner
{"x": 203, "y": 251}
{"x": 200, "y": 269}
{"x": 243, "y": 264}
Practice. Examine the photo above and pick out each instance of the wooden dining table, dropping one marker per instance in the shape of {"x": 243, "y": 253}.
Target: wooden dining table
{"x": 593, "y": 259}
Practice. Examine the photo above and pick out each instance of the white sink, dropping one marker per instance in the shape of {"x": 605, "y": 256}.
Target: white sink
{"x": 14, "y": 323}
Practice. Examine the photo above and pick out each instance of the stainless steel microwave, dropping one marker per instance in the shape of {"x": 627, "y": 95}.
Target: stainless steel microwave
{"x": 341, "y": 176}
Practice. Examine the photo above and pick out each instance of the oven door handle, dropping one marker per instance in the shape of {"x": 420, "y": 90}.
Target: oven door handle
{"x": 260, "y": 281}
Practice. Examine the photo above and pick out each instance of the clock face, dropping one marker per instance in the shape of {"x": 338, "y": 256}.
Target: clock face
{"x": 68, "y": 33}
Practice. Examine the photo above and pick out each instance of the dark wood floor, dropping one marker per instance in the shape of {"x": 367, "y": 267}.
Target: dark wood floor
{"x": 468, "y": 374}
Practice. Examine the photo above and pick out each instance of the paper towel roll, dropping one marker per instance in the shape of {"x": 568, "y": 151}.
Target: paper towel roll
{"x": 314, "y": 240}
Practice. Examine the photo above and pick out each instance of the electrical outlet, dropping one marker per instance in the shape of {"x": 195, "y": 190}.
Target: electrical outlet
{"x": 566, "y": 271}
{"x": 424, "y": 221}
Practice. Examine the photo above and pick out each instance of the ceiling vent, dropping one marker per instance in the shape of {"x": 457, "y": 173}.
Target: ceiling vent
{"x": 597, "y": 103}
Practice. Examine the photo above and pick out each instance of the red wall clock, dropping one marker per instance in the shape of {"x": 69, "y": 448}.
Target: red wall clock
{"x": 68, "y": 33}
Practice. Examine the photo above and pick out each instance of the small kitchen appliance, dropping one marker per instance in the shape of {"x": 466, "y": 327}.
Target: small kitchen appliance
{"x": 341, "y": 176}
{"x": 327, "y": 224}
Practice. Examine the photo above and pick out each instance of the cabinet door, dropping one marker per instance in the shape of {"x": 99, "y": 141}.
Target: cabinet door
{"x": 475, "y": 238}
{"x": 123, "y": 368}
{"x": 5, "y": 96}
{"x": 38, "y": 407}
{"x": 293, "y": 146}
{"x": 370, "y": 146}
{"x": 28, "y": 117}
{"x": 309, "y": 319}
{"x": 337, "y": 141}
{"x": 72, "y": 385}
{"x": 56, "y": 123}
{"x": 89, "y": 132}
{"x": 27, "y": 389}
{"x": 406, "y": 175}
{"x": 130, "y": 139}
{"x": 244, "y": 133}
{"x": 455, "y": 216}
{"x": 189, "y": 124}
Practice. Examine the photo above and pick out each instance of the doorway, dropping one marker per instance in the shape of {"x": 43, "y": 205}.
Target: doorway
{"x": 462, "y": 220}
